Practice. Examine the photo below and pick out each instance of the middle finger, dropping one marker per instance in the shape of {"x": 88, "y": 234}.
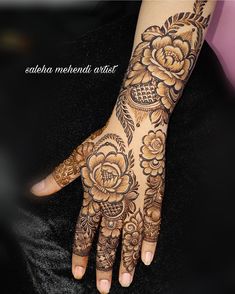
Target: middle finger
{"x": 110, "y": 231}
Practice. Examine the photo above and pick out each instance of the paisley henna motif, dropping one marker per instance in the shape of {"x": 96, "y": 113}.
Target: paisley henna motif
{"x": 153, "y": 152}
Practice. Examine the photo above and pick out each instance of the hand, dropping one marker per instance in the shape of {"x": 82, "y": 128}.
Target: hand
{"x": 123, "y": 188}
{"x": 122, "y": 166}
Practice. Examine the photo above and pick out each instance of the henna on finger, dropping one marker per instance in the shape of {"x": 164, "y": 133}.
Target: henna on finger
{"x": 159, "y": 69}
{"x": 88, "y": 221}
{"x": 108, "y": 241}
{"x": 69, "y": 169}
{"x": 152, "y": 161}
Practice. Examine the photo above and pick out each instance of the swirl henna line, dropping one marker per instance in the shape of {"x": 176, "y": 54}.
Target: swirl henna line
{"x": 159, "y": 69}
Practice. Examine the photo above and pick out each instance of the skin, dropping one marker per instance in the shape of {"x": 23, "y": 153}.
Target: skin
{"x": 123, "y": 165}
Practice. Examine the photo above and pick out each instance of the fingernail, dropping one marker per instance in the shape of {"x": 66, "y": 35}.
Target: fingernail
{"x": 39, "y": 186}
{"x": 126, "y": 280}
{"x": 148, "y": 258}
{"x": 104, "y": 286}
{"x": 79, "y": 272}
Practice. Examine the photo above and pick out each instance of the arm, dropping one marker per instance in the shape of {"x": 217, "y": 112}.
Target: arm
{"x": 123, "y": 165}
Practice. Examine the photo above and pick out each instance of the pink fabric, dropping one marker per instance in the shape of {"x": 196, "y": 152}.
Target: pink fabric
{"x": 221, "y": 36}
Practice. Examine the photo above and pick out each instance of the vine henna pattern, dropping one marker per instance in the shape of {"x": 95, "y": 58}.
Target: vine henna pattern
{"x": 159, "y": 69}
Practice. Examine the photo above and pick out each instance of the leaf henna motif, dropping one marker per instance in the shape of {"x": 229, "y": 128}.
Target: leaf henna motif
{"x": 125, "y": 118}
{"x": 199, "y": 6}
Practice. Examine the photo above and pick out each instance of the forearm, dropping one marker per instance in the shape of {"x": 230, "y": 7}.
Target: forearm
{"x": 168, "y": 39}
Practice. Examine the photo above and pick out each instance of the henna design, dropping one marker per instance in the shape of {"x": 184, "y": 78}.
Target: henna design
{"x": 152, "y": 161}
{"x": 70, "y": 168}
{"x": 110, "y": 187}
{"x": 106, "y": 252}
{"x": 84, "y": 233}
{"x": 117, "y": 139}
{"x": 106, "y": 176}
{"x": 159, "y": 69}
{"x": 157, "y": 73}
{"x": 132, "y": 239}
{"x": 152, "y": 207}
{"x": 87, "y": 224}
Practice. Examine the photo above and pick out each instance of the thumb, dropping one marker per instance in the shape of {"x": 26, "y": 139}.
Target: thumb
{"x": 65, "y": 173}
{"x": 46, "y": 186}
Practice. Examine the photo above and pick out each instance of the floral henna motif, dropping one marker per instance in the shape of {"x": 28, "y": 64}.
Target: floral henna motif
{"x": 152, "y": 207}
{"x": 152, "y": 153}
{"x": 110, "y": 187}
{"x": 84, "y": 233}
{"x": 106, "y": 250}
{"x": 152, "y": 161}
{"x": 87, "y": 224}
{"x": 159, "y": 69}
{"x": 132, "y": 239}
{"x": 106, "y": 176}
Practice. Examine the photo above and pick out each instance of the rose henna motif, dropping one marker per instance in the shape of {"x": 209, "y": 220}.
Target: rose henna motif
{"x": 152, "y": 153}
{"x": 132, "y": 239}
{"x": 159, "y": 69}
{"x": 168, "y": 60}
{"x": 106, "y": 176}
